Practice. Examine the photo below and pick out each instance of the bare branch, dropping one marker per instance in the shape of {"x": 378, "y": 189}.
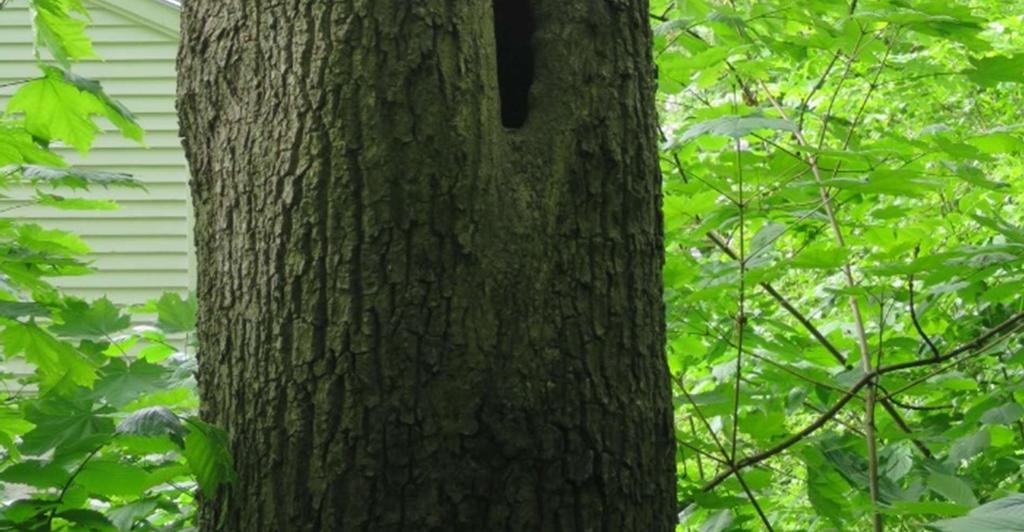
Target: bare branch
{"x": 917, "y": 324}
{"x": 827, "y": 416}
{"x": 753, "y": 501}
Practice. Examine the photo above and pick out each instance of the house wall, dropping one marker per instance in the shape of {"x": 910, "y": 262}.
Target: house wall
{"x": 144, "y": 248}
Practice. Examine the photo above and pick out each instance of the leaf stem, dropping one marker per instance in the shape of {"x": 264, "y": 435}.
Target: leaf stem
{"x": 67, "y": 485}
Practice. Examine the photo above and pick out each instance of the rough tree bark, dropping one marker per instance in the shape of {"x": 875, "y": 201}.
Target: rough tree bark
{"x": 412, "y": 317}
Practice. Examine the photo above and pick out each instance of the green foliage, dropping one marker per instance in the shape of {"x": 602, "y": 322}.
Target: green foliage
{"x": 208, "y": 459}
{"x": 101, "y": 433}
{"x": 1006, "y": 514}
{"x": 844, "y": 237}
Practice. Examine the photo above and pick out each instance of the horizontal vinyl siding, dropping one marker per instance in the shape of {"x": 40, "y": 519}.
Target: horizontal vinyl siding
{"x": 131, "y": 68}
{"x": 143, "y": 248}
{"x": 11, "y": 29}
{"x": 146, "y": 50}
{"x": 98, "y": 17}
{"x": 113, "y": 227}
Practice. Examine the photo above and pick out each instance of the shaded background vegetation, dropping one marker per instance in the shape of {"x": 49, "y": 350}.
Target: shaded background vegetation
{"x": 842, "y": 187}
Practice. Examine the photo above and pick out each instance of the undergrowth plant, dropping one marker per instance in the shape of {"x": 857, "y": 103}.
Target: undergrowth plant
{"x": 97, "y": 426}
{"x": 845, "y": 249}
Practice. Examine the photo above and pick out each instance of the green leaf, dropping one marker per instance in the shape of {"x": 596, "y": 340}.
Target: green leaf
{"x": 997, "y": 143}
{"x": 1003, "y": 415}
{"x": 718, "y": 521}
{"x": 968, "y": 447}
{"x": 62, "y": 423}
{"x": 890, "y": 182}
{"x": 50, "y": 241}
{"x": 77, "y": 178}
{"x": 125, "y": 517}
{"x": 208, "y": 456}
{"x": 89, "y": 520}
{"x": 827, "y": 490}
{"x": 1004, "y": 515}
{"x": 99, "y": 319}
{"x": 35, "y": 473}
{"x": 736, "y": 126}
{"x": 113, "y": 479}
{"x": 59, "y": 31}
{"x": 54, "y": 359}
{"x": 939, "y": 508}
{"x": 12, "y": 423}
{"x": 74, "y": 204}
{"x": 57, "y": 110}
{"x": 990, "y": 71}
{"x": 952, "y": 488}
{"x": 688, "y": 206}
{"x": 766, "y": 237}
{"x": 820, "y": 256}
{"x": 118, "y": 114}
{"x": 171, "y": 472}
{"x": 175, "y": 314}
{"x": 122, "y": 382}
{"x": 18, "y": 147}
{"x": 1007, "y": 229}
{"x": 18, "y": 309}
{"x": 898, "y": 460}
{"x": 155, "y": 353}
{"x": 672, "y": 26}
{"x": 25, "y": 511}
{"x": 154, "y": 421}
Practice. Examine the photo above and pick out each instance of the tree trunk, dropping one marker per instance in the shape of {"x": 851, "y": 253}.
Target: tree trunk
{"x": 413, "y": 317}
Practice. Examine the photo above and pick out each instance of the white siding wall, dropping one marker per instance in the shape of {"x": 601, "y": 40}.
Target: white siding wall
{"x": 144, "y": 248}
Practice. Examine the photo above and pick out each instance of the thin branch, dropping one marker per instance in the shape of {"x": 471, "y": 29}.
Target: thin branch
{"x": 797, "y": 374}
{"x": 741, "y": 318}
{"x": 704, "y": 420}
{"x": 730, "y": 460}
{"x": 827, "y": 416}
{"x": 831, "y": 348}
{"x": 917, "y": 324}
{"x": 920, "y": 408}
{"x": 867, "y": 96}
{"x": 683, "y": 174}
{"x": 753, "y": 501}
{"x": 940, "y": 370}
{"x": 902, "y": 424}
{"x": 817, "y": 86}
{"x": 16, "y": 82}
{"x": 837, "y": 419}
{"x": 700, "y": 452}
{"x": 720, "y": 242}
{"x": 981, "y": 341}
{"x": 861, "y": 334}
{"x": 797, "y": 315}
{"x": 700, "y": 464}
{"x": 795, "y": 438}
{"x": 835, "y": 94}
{"x": 18, "y": 206}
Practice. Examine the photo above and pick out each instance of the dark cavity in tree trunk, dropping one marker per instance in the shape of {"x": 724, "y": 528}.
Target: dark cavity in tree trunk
{"x": 513, "y": 30}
